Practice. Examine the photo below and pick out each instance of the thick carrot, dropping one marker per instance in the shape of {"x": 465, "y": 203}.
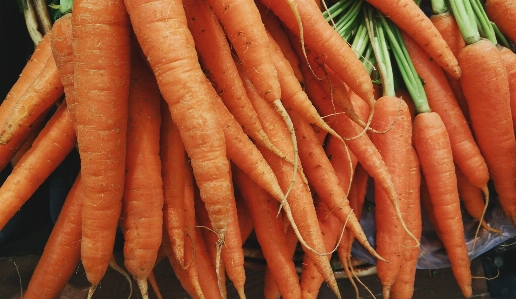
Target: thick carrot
{"x": 221, "y": 70}
{"x": 486, "y": 88}
{"x": 173, "y": 159}
{"x": 329, "y": 46}
{"x": 403, "y": 286}
{"x": 50, "y": 148}
{"x": 392, "y": 115}
{"x": 299, "y": 199}
{"x": 410, "y": 18}
{"x": 509, "y": 61}
{"x": 142, "y": 203}
{"x": 441, "y": 99}
{"x": 269, "y": 232}
{"x": 190, "y": 98}
{"x": 62, "y": 251}
{"x": 434, "y": 152}
{"x": 43, "y": 93}
{"x": 101, "y": 48}
{"x": 503, "y": 14}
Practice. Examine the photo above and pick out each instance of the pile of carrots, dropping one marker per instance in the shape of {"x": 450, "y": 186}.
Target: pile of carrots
{"x": 199, "y": 122}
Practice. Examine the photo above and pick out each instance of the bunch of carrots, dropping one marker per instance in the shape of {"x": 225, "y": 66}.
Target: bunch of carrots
{"x": 200, "y": 121}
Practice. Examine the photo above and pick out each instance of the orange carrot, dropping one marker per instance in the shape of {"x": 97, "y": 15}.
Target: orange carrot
{"x": 62, "y": 251}
{"x": 329, "y": 46}
{"x": 173, "y": 159}
{"x": 503, "y": 14}
{"x": 190, "y": 99}
{"x": 101, "y": 58}
{"x": 410, "y": 18}
{"x": 403, "y": 286}
{"x": 434, "y": 152}
{"x": 142, "y": 203}
{"x": 509, "y": 61}
{"x": 269, "y": 232}
{"x": 394, "y": 145}
{"x": 486, "y": 87}
{"x": 54, "y": 143}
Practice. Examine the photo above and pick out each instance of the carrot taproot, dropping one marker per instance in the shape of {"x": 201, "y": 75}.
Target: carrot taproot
{"x": 62, "y": 251}
{"x": 299, "y": 199}
{"x": 403, "y": 286}
{"x": 173, "y": 159}
{"x": 142, "y": 202}
{"x": 101, "y": 47}
{"x": 503, "y": 14}
{"x": 269, "y": 232}
{"x": 394, "y": 145}
{"x": 433, "y": 149}
{"x": 447, "y": 26}
{"x": 39, "y": 96}
{"x": 487, "y": 92}
{"x": 329, "y": 46}
{"x": 509, "y": 61}
{"x": 221, "y": 70}
{"x": 410, "y": 18}
{"x": 54, "y": 143}
{"x": 441, "y": 99}
{"x": 245, "y": 223}
{"x": 190, "y": 98}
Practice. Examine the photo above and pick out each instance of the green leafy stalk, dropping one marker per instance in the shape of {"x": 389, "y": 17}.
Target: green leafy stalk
{"x": 465, "y": 17}
{"x": 484, "y": 25}
{"x": 439, "y": 7}
{"x": 502, "y": 40}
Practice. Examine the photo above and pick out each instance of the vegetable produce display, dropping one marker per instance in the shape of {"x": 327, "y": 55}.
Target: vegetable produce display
{"x": 201, "y": 122}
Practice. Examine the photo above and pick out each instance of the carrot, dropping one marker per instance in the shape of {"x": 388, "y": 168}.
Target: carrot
{"x": 101, "y": 58}
{"x": 503, "y": 14}
{"x": 62, "y": 51}
{"x": 190, "y": 99}
{"x": 299, "y": 200}
{"x": 466, "y": 152}
{"x": 54, "y": 143}
{"x": 269, "y": 232}
{"x": 394, "y": 146}
{"x": 447, "y": 26}
{"x": 245, "y": 223}
{"x": 433, "y": 149}
{"x": 43, "y": 93}
{"x": 142, "y": 203}
{"x": 62, "y": 251}
{"x": 403, "y": 286}
{"x": 221, "y": 70}
{"x": 410, "y": 18}
{"x": 173, "y": 159}
{"x": 509, "y": 61}
{"x": 331, "y": 48}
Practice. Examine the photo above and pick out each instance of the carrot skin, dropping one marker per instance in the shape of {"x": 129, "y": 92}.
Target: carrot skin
{"x": 509, "y": 61}
{"x": 101, "y": 80}
{"x": 503, "y": 13}
{"x": 434, "y": 152}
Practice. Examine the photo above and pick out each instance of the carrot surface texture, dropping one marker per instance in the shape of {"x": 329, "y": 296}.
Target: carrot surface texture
{"x": 101, "y": 81}
{"x": 190, "y": 97}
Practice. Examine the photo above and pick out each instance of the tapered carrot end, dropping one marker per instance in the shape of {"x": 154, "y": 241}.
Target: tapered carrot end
{"x": 142, "y": 285}
{"x": 467, "y": 291}
{"x": 387, "y": 292}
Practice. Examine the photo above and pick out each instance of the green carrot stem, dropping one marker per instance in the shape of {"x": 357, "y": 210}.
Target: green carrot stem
{"x": 465, "y": 17}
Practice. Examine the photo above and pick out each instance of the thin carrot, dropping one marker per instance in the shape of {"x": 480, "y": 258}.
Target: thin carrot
{"x": 142, "y": 203}
{"x": 269, "y": 232}
{"x": 173, "y": 159}
{"x": 434, "y": 152}
{"x": 190, "y": 99}
{"x": 62, "y": 251}
{"x": 101, "y": 57}
{"x": 54, "y": 143}
{"x": 410, "y": 18}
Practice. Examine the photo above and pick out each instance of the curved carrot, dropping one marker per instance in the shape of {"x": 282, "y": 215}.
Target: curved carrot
{"x": 62, "y": 251}
{"x": 101, "y": 80}
{"x": 434, "y": 152}
{"x": 409, "y": 17}
{"x": 50, "y": 148}
{"x": 142, "y": 203}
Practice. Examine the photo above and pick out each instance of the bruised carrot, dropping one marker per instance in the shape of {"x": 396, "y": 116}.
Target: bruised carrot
{"x": 50, "y": 148}
{"x": 142, "y": 203}
{"x": 101, "y": 48}
{"x": 434, "y": 152}
{"x": 62, "y": 251}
